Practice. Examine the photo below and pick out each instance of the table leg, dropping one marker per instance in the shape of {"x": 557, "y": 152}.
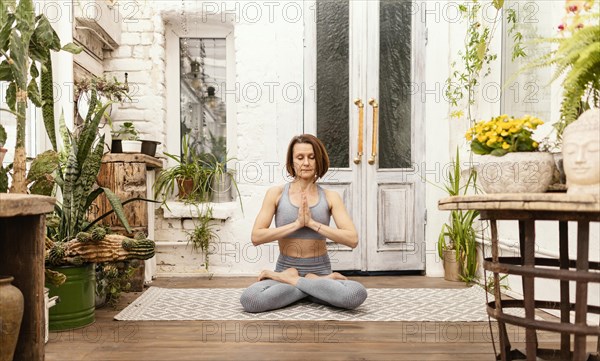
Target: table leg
{"x": 22, "y": 256}
{"x": 581, "y": 290}
{"x": 503, "y": 335}
{"x": 527, "y": 241}
{"x": 565, "y": 337}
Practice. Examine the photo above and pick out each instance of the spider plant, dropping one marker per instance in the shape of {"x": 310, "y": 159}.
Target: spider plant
{"x": 189, "y": 168}
{"x": 458, "y": 234}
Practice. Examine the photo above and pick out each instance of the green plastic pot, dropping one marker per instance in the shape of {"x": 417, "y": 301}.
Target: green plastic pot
{"x": 76, "y": 307}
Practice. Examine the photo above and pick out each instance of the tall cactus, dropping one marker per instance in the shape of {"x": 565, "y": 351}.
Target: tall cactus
{"x": 25, "y": 42}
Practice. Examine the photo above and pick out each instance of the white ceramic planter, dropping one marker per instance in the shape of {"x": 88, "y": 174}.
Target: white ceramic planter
{"x": 518, "y": 172}
{"x": 131, "y": 146}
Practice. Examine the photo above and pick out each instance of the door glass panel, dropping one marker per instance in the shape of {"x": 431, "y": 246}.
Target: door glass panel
{"x": 394, "y": 84}
{"x": 333, "y": 79}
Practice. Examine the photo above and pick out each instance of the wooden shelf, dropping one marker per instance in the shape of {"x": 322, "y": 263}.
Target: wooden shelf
{"x": 151, "y": 162}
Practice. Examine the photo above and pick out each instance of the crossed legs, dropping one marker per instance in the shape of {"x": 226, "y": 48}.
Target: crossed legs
{"x": 279, "y": 289}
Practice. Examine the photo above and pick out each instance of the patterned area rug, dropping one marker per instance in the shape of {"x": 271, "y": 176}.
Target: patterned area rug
{"x": 382, "y": 304}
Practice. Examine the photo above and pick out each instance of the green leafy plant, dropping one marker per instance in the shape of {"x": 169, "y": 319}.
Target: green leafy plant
{"x": 459, "y": 234}
{"x": 3, "y": 136}
{"x": 577, "y": 57}
{"x": 4, "y": 177}
{"x": 504, "y": 134}
{"x": 25, "y": 43}
{"x": 203, "y": 235}
{"x": 189, "y": 167}
{"x": 126, "y": 131}
{"x": 490, "y": 285}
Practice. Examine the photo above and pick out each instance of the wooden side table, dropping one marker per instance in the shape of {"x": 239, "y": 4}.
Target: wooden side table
{"x": 22, "y": 235}
{"x": 527, "y": 209}
{"x": 127, "y": 176}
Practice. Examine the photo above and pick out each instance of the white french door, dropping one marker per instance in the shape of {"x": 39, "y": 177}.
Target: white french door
{"x": 362, "y": 61}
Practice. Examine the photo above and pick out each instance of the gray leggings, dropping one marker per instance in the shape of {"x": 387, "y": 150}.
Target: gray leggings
{"x": 270, "y": 295}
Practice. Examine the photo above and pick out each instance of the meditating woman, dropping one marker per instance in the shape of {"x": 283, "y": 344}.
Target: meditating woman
{"x": 302, "y": 212}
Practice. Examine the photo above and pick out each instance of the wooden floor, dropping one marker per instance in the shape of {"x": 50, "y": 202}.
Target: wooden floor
{"x": 283, "y": 340}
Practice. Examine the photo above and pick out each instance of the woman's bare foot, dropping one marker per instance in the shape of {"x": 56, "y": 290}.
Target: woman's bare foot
{"x": 289, "y": 276}
{"x": 337, "y": 276}
{"x": 333, "y": 276}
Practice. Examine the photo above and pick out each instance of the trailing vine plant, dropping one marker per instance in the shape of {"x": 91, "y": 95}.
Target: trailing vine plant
{"x": 475, "y": 57}
{"x": 203, "y": 235}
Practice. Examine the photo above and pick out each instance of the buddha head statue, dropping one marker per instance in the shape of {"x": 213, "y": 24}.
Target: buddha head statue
{"x": 581, "y": 154}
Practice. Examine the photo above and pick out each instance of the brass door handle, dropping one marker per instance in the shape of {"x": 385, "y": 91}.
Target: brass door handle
{"x": 375, "y": 105}
{"x": 361, "y": 117}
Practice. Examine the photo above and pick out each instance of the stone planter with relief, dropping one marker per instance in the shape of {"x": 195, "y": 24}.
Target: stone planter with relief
{"x": 515, "y": 172}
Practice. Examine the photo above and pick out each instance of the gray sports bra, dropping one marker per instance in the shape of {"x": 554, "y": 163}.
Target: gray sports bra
{"x": 287, "y": 213}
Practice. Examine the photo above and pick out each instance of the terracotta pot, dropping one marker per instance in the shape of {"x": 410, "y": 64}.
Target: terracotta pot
{"x": 518, "y": 172}
{"x": 186, "y": 187}
{"x": 451, "y": 268}
{"x": 11, "y": 314}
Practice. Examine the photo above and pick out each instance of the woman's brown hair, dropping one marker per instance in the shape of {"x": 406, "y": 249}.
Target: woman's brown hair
{"x": 321, "y": 157}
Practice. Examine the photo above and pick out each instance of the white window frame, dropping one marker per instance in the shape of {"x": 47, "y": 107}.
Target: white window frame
{"x": 175, "y": 31}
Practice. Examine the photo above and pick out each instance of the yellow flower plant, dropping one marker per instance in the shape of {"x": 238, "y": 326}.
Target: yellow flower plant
{"x": 504, "y": 134}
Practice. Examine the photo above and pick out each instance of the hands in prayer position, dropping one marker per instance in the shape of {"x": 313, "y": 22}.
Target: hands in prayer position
{"x": 304, "y": 215}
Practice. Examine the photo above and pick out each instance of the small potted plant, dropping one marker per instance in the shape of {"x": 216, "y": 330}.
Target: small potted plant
{"x": 128, "y": 138}
{"x": 2, "y": 142}
{"x": 222, "y": 179}
{"x": 190, "y": 175}
{"x": 457, "y": 245}
{"x": 510, "y": 159}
